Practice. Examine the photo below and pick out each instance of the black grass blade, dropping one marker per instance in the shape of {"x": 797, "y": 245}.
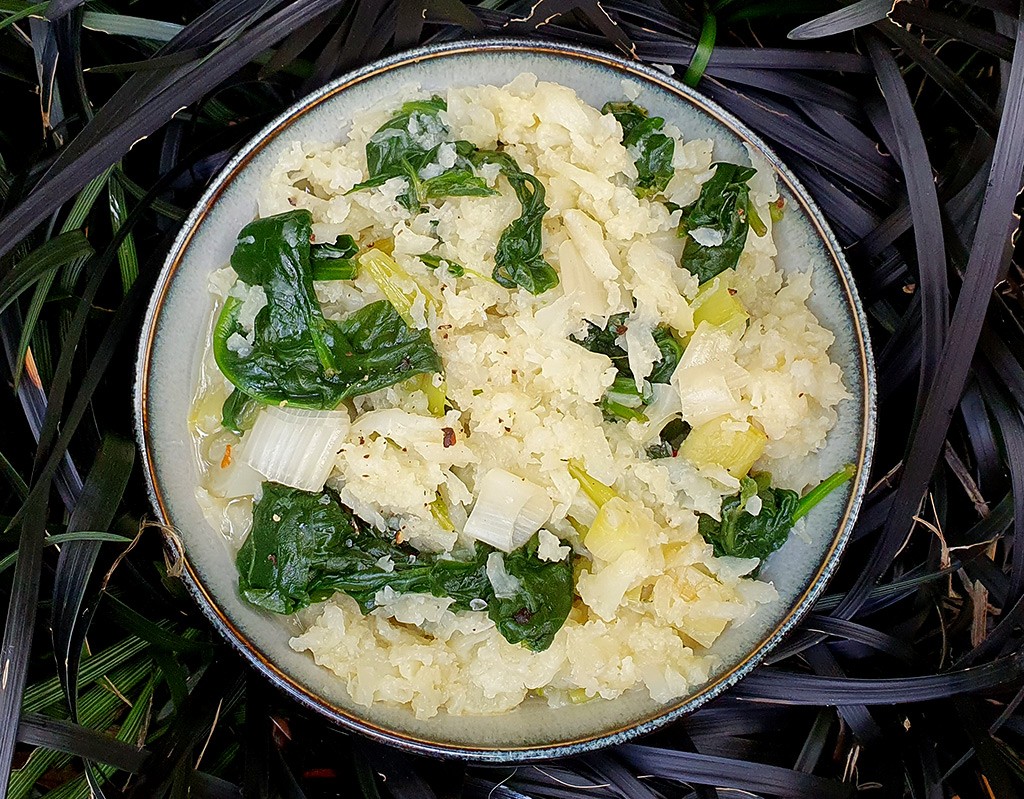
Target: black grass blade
{"x": 808, "y": 689}
{"x": 987, "y": 263}
{"x": 39, "y": 730}
{"x": 924, "y": 210}
{"x": 725, "y": 773}
{"x": 851, "y": 17}
{"x": 17, "y": 640}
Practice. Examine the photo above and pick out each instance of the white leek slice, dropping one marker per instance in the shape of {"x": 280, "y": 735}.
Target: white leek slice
{"x": 704, "y": 393}
{"x": 708, "y": 378}
{"x": 508, "y": 510}
{"x": 708, "y": 344}
{"x": 296, "y": 447}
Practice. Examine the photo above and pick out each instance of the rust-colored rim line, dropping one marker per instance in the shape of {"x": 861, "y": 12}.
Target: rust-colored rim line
{"x": 508, "y": 753}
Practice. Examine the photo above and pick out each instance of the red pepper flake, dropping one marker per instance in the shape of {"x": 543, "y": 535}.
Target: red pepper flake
{"x": 449, "y": 437}
{"x": 225, "y": 462}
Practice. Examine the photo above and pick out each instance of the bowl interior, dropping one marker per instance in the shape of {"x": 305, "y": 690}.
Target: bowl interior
{"x": 179, "y": 320}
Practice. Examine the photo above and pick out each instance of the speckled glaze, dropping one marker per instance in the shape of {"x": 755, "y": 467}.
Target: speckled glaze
{"x": 177, "y": 324}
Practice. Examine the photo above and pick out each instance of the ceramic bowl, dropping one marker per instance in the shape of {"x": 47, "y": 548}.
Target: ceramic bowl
{"x": 178, "y": 322}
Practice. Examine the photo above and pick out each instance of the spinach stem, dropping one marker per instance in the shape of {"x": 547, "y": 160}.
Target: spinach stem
{"x": 822, "y": 490}
{"x": 623, "y": 412}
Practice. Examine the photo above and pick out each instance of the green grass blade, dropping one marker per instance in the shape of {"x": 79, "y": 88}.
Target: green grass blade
{"x": 52, "y": 255}
{"x": 98, "y": 708}
{"x": 19, "y": 628}
{"x": 17, "y": 16}
{"x": 13, "y": 478}
{"x": 162, "y": 207}
{"x": 76, "y": 218}
{"x": 61, "y": 538}
{"x": 38, "y": 729}
{"x": 46, "y": 693}
{"x": 127, "y": 257}
{"x": 132, "y": 731}
{"x": 73, "y": 608}
{"x": 153, "y": 30}
{"x": 150, "y": 631}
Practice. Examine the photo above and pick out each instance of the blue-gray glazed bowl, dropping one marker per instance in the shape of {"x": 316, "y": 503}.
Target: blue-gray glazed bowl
{"x": 178, "y": 321}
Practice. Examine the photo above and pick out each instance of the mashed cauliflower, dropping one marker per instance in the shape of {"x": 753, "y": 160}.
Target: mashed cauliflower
{"x": 524, "y": 397}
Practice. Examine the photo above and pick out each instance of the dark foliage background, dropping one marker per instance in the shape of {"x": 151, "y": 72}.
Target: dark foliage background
{"x": 905, "y": 120}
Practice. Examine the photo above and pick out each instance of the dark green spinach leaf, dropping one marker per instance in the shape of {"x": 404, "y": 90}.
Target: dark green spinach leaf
{"x": 617, "y": 403}
{"x": 306, "y": 546}
{"x": 721, "y": 208}
{"x": 517, "y": 259}
{"x": 334, "y": 261}
{"x": 540, "y": 605}
{"x": 294, "y": 535}
{"x": 672, "y": 436}
{"x": 742, "y": 535}
{"x": 652, "y": 151}
{"x": 407, "y": 144}
{"x": 297, "y": 356}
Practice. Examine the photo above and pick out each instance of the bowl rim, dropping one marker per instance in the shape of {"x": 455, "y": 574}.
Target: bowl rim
{"x": 306, "y": 697}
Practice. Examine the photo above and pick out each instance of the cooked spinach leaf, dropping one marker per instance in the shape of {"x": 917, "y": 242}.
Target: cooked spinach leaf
{"x": 239, "y": 412}
{"x": 720, "y": 211}
{"x": 671, "y": 352}
{"x": 660, "y": 450}
{"x": 459, "y": 181}
{"x": 297, "y": 356}
{"x": 672, "y": 437}
{"x": 651, "y": 150}
{"x": 743, "y": 535}
{"x": 517, "y": 259}
{"x": 334, "y": 261}
{"x": 602, "y": 339}
{"x": 436, "y": 261}
{"x": 408, "y": 145}
{"x": 294, "y": 535}
{"x": 306, "y": 546}
{"x": 541, "y": 603}
{"x": 623, "y": 401}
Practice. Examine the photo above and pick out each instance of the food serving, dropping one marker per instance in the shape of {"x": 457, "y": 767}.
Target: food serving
{"x": 505, "y": 400}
